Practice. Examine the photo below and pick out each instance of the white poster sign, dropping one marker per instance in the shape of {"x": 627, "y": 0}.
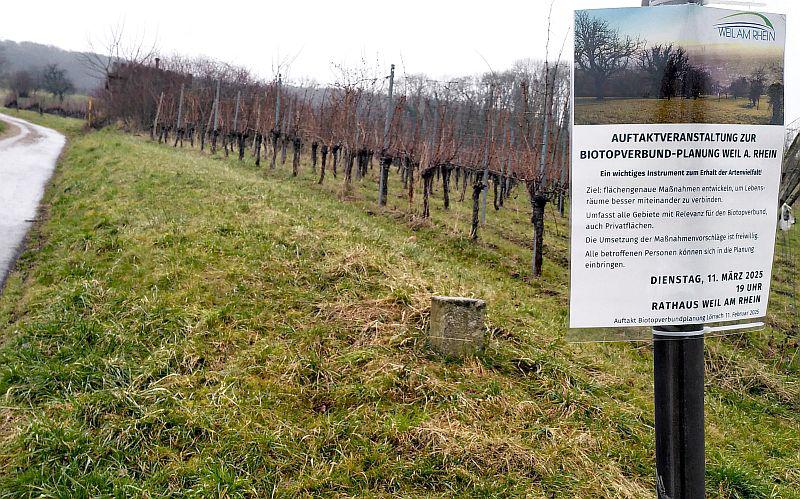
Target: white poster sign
{"x": 677, "y": 147}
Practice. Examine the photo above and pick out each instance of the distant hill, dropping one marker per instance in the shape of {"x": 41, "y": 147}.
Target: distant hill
{"x": 29, "y": 55}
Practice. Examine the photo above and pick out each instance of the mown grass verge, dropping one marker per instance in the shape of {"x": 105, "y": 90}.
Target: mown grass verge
{"x": 188, "y": 325}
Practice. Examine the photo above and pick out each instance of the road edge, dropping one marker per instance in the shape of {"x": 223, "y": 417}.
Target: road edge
{"x": 42, "y": 209}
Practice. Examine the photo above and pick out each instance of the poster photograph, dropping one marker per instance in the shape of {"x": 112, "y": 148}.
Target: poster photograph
{"x": 678, "y": 140}
{"x": 709, "y": 66}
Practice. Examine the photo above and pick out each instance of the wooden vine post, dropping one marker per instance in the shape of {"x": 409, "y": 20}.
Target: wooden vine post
{"x": 155, "y": 121}
{"x": 276, "y": 130}
{"x": 386, "y": 160}
{"x": 486, "y": 151}
{"x": 236, "y": 112}
{"x": 178, "y": 124}
{"x": 215, "y": 130}
{"x": 258, "y": 125}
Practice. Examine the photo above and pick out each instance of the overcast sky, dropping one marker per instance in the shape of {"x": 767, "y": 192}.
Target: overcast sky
{"x": 438, "y": 37}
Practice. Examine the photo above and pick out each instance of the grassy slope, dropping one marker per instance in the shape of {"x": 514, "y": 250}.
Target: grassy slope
{"x": 589, "y": 111}
{"x": 190, "y": 324}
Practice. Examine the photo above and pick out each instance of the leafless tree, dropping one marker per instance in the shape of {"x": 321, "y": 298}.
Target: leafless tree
{"x": 22, "y": 83}
{"x": 116, "y": 48}
{"x": 601, "y": 51}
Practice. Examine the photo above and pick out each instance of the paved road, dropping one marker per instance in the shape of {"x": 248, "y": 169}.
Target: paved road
{"x": 27, "y": 160}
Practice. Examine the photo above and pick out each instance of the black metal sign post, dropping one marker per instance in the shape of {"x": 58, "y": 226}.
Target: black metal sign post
{"x": 679, "y": 411}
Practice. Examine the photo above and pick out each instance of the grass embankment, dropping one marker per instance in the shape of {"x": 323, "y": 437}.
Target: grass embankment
{"x": 590, "y": 111}
{"x": 193, "y": 325}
